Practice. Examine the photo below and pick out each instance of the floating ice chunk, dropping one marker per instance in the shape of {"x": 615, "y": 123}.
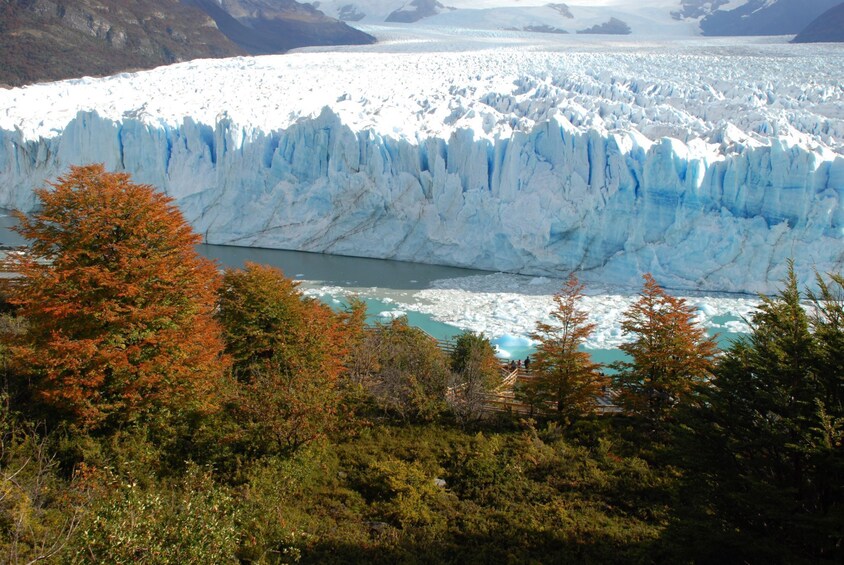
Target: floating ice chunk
{"x": 708, "y": 310}
{"x": 513, "y": 341}
{"x": 392, "y": 314}
{"x": 501, "y": 353}
{"x": 737, "y": 327}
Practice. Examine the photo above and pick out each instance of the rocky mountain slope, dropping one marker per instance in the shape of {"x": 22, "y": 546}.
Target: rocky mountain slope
{"x": 52, "y": 39}
{"x": 765, "y": 17}
{"x": 42, "y": 40}
{"x": 261, "y": 27}
{"x": 828, "y": 27}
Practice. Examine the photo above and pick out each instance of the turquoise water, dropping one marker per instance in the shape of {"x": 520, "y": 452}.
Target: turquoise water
{"x": 364, "y": 273}
{"x": 722, "y": 337}
{"x": 350, "y": 272}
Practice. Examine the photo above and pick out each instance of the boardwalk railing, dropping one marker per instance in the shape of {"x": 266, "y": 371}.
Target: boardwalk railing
{"x": 503, "y": 397}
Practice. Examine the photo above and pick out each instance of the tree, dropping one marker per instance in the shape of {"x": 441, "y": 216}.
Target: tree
{"x": 118, "y": 302}
{"x": 828, "y": 325}
{"x": 768, "y": 435}
{"x": 565, "y": 375}
{"x": 408, "y": 374}
{"x": 287, "y": 353}
{"x": 476, "y": 372}
{"x": 669, "y": 354}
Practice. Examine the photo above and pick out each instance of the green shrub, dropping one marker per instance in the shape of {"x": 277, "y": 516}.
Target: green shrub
{"x": 193, "y": 522}
{"x": 39, "y": 509}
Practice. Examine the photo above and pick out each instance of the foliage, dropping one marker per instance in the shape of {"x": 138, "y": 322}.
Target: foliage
{"x": 754, "y": 471}
{"x": 287, "y": 353}
{"x": 354, "y": 320}
{"x": 408, "y": 374}
{"x": 828, "y": 325}
{"x": 191, "y": 522}
{"x": 768, "y": 436}
{"x": 439, "y": 494}
{"x": 669, "y": 355}
{"x": 270, "y": 510}
{"x": 476, "y": 372}
{"x": 405, "y": 496}
{"x": 565, "y": 375}
{"x": 118, "y": 302}
{"x": 39, "y": 510}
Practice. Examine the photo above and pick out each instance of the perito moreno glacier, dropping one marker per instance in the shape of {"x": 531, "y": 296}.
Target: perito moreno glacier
{"x": 708, "y": 163}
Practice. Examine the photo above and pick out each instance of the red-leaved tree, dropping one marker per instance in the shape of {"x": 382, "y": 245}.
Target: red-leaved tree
{"x": 669, "y": 354}
{"x": 565, "y": 375}
{"x": 119, "y": 304}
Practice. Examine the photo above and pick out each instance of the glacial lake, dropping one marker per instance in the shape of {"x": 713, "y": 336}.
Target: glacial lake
{"x": 444, "y": 301}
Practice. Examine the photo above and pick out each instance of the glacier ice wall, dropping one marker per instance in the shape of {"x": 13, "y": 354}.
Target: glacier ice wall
{"x": 706, "y": 162}
{"x": 549, "y": 200}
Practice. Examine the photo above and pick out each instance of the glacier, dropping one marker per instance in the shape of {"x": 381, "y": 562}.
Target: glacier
{"x": 708, "y": 163}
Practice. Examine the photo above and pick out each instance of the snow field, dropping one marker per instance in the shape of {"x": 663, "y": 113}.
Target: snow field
{"x": 450, "y": 80}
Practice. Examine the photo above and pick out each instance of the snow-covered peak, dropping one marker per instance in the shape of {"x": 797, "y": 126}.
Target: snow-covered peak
{"x": 650, "y": 18}
{"x": 645, "y": 17}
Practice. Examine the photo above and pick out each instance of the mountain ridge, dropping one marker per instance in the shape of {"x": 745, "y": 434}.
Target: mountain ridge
{"x": 644, "y": 17}
{"x": 45, "y": 40}
{"x": 765, "y": 17}
{"x": 828, "y": 27}
{"x": 50, "y": 40}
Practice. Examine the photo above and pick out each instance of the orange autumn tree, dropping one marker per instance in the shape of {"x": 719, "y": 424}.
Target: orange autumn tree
{"x": 287, "y": 353}
{"x": 118, "y": 302}
{"x": 670, "y": 355}
{"x": 565, "y": 375}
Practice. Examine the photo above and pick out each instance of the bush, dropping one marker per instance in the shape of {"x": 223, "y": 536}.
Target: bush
{"x": 39, "y": 510}
{"x": 409, "y": 374}
{"x": 194, "y": 521}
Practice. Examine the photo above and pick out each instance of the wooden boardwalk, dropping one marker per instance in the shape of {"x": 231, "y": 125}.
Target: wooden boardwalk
{"x": 504, "y": 398}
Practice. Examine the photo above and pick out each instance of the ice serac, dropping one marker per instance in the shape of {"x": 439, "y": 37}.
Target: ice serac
{"x": 547, "y": 201}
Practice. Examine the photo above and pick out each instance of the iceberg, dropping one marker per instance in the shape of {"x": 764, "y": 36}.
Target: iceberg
{"x": 706, "y": 164}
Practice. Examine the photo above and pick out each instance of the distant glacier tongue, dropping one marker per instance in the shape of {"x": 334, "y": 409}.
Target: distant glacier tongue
{"x": 545, "y": 172}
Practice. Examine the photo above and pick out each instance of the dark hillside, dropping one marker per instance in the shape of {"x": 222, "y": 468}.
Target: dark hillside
{"x": 43, "y": 40}
{"x": 261, "y": 27}
{"x": 828, "y": 27}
